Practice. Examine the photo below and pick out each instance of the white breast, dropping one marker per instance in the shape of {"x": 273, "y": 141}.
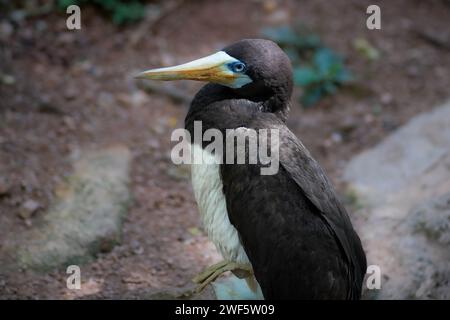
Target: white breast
{"x": 211, "y": 202}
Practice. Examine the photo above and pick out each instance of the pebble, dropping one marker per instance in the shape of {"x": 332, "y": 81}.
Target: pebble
{"x": 5, "y": 187}
{"x": 336, "y": 137}
{"x": 6, "y": 30}
{"x": 70, "y": 93}
{"x": 7, "y": 79}
{"x": 386, "y": 98}
{"x": 28, "y": 208}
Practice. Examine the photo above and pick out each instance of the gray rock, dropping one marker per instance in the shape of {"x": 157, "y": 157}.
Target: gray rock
{"x": 87, "y": 215}
{"x": 403, "y": 185}
{"x": 422, "y": 245}
{"x": 28, "y": 208}
{"x": 433, "y": 220}
{"x": 403, "y": 156}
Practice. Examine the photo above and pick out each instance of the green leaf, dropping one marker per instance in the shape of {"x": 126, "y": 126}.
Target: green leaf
{"x": 325, "y": 60}
{"x": 329, "y": 87}
{"x": 131, "y": 12}
{"x": 293, "y": 55}
{"x": 311, "y": 96}
{"x": 317, "y": 69}
{"x": 63, "y": 4}
{"x": 343, "y": 76}
{"x": 121, "y": 11}
{"x": 366, "y": 49}
{"x": 299, "y": 40}
{"x": 305, "y": 76}
{"x": 194, "y": 231}
{"x": 306, "y": 42}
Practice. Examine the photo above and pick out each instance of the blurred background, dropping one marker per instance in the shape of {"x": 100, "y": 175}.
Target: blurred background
{"x": 85, "y": 170}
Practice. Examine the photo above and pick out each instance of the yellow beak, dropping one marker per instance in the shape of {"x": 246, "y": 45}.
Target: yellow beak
{"x": 213, "y": 68}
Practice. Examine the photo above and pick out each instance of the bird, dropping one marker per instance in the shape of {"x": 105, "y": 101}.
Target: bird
{"x": 286, "y": 233}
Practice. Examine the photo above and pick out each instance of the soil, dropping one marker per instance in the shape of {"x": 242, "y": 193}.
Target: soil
{"x": 73, "y": 90}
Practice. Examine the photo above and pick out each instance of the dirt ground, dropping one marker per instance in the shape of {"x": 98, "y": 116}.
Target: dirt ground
{"x": 73, "y": 90}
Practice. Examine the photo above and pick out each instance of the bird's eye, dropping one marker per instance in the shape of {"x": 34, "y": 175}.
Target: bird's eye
{"x": 238, "y": 67}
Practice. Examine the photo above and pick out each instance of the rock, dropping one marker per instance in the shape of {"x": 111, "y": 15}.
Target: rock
{"x": 87, "y": 214}
{"x": 6, "y": 30}
{"x": 29, "y": 208}
{"x": 136, "y": 99}
{"x": 7, "y": 79}
{"x": 386, "y": 98}
{"x": 423, "y": 239}
{"x": 71, "y": 92}
{"x": 69, "y": 122}
{"x": 279, "y": 16}
{"x": 5, "y": 187}
{"x": 403, "y": 186}
{"x": 105, "y": 99}
{"x": 402, "y": 157}
{"x": 433, "y": 219}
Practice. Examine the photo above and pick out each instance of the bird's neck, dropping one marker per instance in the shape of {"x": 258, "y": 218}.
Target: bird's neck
{"x": 273, "y": 102}
{"x": 279, "y": 105}
{"x": 209, "y": 94}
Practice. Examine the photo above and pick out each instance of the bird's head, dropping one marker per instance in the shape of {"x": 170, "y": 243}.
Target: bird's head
{"x": 255, "y": 69}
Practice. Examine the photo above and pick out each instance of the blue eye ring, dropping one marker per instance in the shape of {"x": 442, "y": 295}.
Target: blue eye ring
{"x": 238, "y": 67}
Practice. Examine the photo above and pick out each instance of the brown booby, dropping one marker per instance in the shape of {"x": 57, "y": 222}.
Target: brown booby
{"x": 287, "y": 230}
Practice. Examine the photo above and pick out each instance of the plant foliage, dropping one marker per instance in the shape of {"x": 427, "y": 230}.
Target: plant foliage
{"x": 120, "y": 11}
{"x": 317, "y": 69}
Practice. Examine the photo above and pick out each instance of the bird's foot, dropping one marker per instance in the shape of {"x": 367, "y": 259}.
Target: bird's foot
{"x": 213, "y": 272}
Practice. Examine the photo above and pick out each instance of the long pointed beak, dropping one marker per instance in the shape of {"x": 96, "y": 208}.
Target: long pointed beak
{"x": 213, "y": 68}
